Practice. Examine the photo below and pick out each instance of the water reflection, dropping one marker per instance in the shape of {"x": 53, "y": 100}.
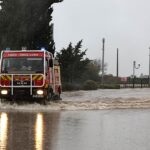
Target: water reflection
{"x": 39, "y": 132}
{"x": 3, "y": 130}
{"x": 21, "y": 131}
{"x": 29, "y": 131}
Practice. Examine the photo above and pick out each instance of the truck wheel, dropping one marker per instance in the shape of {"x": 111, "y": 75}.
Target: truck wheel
{"x": 46, "y": 99}
{"x": 56, "y": 97}
{"x": 43, "y": 101}
{"x": 50, "y": 94}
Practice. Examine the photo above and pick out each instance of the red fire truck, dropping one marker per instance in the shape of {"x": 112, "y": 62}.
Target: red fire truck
{"x": 30, "y": 74}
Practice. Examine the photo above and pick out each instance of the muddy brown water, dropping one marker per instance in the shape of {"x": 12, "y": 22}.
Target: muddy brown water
{"x": 76, "y": 130}
{"x": 91, "y": 120}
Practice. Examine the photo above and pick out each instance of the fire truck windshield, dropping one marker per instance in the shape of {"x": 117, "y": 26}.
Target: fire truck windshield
{"x": 23, "y": 65}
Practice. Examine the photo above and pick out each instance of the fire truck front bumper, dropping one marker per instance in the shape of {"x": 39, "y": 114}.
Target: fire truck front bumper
{"x": 22, "y": 93}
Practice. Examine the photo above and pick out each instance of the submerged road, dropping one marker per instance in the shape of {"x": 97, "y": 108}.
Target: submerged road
{"x": 84, "y": 120}
{"x": 90, "y": 100}
{"x": 76, "y": 130}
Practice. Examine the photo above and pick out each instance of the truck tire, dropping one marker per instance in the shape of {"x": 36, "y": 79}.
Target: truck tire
{"x": 43, "y": 101}
{"x": 50, "y": 94}
{"x": 56, "y": 97}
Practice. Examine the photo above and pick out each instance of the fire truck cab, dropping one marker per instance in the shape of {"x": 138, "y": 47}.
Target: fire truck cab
{"x": 30, "y": 74}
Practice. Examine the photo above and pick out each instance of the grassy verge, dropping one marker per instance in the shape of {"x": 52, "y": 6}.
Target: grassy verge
{"x": 109, "y": 86}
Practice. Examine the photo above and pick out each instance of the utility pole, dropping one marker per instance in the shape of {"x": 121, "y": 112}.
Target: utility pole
{"x": 103, "y": 49}
{"x": 117, "y": 62}
{"x": 149, "y": 69}
{"x": 134, "y": 67}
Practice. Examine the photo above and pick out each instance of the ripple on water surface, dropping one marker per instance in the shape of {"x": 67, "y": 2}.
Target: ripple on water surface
{"x": 89, "y": 100}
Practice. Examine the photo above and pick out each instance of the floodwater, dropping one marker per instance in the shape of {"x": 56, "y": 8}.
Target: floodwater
{"x": 76, "y": 130}
{"x": 84, "y": 120}
{"x": 109, "y": 94}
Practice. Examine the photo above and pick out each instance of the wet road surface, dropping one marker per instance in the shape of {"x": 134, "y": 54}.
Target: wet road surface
{"x": 108, "y": 94}
{"x": 76, "y": 130}
{"x": 84, "y": 120}
{"x": 90, "y": 100}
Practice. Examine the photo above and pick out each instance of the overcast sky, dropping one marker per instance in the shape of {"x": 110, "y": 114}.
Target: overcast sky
{"x": 125, "y": 24}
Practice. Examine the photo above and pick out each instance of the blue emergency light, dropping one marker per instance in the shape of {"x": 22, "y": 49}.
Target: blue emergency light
{"x": 7, "y": 49}
{"x": 43, "y": 49}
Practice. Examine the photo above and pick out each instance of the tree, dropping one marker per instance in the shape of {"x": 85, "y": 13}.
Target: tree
{"x": 26, "y": 23}
{"x": 72, "y": 61}
{"x": 92, "y": 71}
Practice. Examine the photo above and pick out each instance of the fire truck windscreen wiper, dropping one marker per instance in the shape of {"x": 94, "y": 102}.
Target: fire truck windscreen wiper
{"x": 5, "y": 70}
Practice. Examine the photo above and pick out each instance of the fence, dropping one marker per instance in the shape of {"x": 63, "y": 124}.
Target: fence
{"x": 135, "y": 83}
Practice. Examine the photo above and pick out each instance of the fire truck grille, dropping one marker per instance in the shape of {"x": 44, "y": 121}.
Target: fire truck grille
{"x": 21, "y": 92}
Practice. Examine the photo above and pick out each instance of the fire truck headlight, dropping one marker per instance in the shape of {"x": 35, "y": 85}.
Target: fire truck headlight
{"x": 40, "y": 92}
{"x": 4, "y": 92}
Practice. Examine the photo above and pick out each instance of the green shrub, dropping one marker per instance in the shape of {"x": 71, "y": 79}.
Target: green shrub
{"x": 71, "y": 87}
{"x": 90, "y": 85}
{"x": 109, "y": 86}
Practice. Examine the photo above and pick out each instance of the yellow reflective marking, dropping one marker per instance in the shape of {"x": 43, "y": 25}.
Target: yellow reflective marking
{"x": 9, "y": 77}
{"x": 16, "y": 78}
{"x": 3, "y": 77}
{"x": 34, "y": 77}
{"x": 40, "y": 78}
